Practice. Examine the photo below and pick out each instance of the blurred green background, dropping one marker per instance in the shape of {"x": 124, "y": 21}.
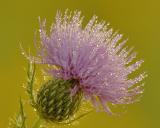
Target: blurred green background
{"x": 137, "y": 19}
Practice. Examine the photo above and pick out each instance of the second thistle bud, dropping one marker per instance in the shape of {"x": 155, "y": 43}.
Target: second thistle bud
{"x": 55, "y": 102}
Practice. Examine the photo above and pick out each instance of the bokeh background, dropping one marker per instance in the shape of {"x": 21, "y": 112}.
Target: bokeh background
{"x": 139, "y": 20}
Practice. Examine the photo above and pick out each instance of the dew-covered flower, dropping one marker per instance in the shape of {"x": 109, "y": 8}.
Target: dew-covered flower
{"x": 92, "y": 57}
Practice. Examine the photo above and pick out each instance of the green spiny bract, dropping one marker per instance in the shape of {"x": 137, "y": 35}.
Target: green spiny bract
{"x": 55, "y": 102}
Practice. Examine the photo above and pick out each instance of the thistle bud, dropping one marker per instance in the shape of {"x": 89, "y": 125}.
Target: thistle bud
{"x": 55, "y": 102}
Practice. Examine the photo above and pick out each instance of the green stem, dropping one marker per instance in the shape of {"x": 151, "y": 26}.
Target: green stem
{"x": 37, "y": 123}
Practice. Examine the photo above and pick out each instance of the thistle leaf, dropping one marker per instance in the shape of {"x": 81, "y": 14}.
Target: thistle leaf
{"x": 19, "y": 121}
{"x": 30, "y": 82}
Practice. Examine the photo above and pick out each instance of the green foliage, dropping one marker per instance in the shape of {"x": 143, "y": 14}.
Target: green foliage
{"x": 19, "y": 121}
{"x": 30, "y": 82}
{"x": 53, "y": 102}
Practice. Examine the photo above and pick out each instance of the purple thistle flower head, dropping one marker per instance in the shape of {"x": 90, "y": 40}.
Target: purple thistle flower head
{"x": 94, "y": 56}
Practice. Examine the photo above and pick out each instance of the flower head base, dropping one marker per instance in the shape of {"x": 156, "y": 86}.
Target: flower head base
{"x": 93, "y": 56}
{"x": 54, "y": 101}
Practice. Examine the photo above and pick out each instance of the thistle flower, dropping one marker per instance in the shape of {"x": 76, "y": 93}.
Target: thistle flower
{"x": 88, "y": 61}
